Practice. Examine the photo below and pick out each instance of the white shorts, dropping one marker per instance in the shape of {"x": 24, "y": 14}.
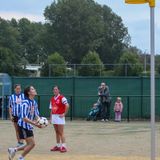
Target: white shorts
{"x": 57, "y": 120}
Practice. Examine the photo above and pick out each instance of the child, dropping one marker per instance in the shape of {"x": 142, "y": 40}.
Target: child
{"x": 93, "y": 112}
{"x": 118, "y": 107}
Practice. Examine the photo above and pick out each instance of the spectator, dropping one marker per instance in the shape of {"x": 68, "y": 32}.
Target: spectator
{"x": 118, "y": 107}
{"x": 105, "y": 100}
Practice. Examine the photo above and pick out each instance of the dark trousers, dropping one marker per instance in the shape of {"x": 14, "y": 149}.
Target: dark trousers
{"x": 105, "y": 110}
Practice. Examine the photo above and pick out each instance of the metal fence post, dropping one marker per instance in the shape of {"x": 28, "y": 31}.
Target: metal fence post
{"x": 39, "y": 106}
{"x": 6, "y": 102}
{"x": 71, "y": 108}
{"x": 128, "y": 119}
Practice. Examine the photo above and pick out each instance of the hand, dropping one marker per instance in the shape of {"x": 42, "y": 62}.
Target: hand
{"x": 12, "y": 118}
{"x": 61, "y": 115}
{"x": 37, "y": 125}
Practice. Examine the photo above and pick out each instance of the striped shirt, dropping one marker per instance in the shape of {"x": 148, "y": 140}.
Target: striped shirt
{"x": 29, "y": 109}
{"x": 15, "y": 101}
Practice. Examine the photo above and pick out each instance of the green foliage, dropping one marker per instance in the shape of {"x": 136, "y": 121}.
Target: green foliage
{"x": 31, "y": 40}
{"x": 95, "y": 66}
{"x": 55, "y": 65}
{"x": 8, "y": 62}
{"x": 129, "y": 65}
{"x": 80, "y": 26}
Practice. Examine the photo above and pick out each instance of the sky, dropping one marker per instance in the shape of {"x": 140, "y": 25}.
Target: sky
{"x": 135, "y": 17}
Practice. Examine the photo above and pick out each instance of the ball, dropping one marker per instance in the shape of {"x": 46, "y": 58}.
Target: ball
{"x": 43, "y": 122}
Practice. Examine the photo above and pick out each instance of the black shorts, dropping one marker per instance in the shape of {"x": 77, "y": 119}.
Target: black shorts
{"x": 25, "y": 133}
{"x": 15, "y": 119}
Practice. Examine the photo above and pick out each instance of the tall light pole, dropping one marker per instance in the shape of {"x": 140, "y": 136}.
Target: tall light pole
{"x": 152, "y": 76}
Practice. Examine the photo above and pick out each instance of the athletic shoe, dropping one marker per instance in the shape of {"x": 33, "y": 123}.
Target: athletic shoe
{"x": 55, "y": 148}
{"x": 106, "y": 120}
{"x": 63, "y": 149}
{"x": 11, "y": 153}
{"x": 102, "y": 120}
{"x": 20, "y": 158}
{"x": 20, "y": 144}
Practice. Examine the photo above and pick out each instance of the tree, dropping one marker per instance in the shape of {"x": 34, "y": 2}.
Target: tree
{"x": 129, "y": 65}
{"x": 115, "y": 38}
{"x": 9, "y": 37}
{"x": 91, "y": 65}
{"x": 55, "y": 66}
{"x": 31, "y": 40}
{"x": 9, "y": 62}
{"x": 80, "y": 26}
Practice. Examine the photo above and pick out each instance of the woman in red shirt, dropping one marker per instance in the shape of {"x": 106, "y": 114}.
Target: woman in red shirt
{"x": 59, "y": 108}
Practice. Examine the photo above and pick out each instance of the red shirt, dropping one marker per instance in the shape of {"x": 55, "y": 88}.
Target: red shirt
{"x": 58, "y": 105}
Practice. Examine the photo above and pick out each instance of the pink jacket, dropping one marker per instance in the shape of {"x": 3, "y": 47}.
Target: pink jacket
{"x": 118, "y": 107}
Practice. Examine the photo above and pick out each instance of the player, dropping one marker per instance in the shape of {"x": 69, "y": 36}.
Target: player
{"x": 28, "y": 114}
{"x": 59, "y": 108}
{"x": 15, "y": 101}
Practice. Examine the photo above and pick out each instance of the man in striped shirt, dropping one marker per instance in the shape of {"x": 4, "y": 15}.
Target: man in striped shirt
{"x": 15, "y": 101}
{"x": 28, "y": 117}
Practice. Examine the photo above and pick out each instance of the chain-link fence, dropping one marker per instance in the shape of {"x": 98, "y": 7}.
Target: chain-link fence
{"x": 100, "y": 70}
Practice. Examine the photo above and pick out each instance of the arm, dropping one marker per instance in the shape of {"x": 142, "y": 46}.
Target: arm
{"x": 35, "y": 123}
{"x": 10, "y": 109}
{"x": 50, "y": 107}
{"x": 25, "y": 118}
{"x": 67, "y": 108}
{"x": 10, "y": 113}
{"x": 64, "y": 101}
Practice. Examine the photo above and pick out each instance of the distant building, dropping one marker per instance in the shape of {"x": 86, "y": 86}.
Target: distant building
{"x": 34, "y": 70}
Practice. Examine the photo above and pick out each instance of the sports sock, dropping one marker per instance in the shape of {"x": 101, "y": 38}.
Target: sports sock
{"x": 64, "y": 145}
{"x": 58, "y": 145}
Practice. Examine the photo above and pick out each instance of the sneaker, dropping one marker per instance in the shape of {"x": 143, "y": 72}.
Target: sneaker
{"x": 106, "y": 120}
{"x": 63, "y": 149}
{"x": 102, "y": 120}
{"x": 11, "y": 153}
{"x": 20, "y": 144}
{"x": 20, "y": 158}
{"x": 55, "y": 148}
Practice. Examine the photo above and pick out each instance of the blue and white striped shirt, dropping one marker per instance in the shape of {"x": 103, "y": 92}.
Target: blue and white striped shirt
{"x": 29, "y": 109}
{"x": 15, "y": 101}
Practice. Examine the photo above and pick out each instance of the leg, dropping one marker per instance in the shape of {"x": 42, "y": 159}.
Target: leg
{"x": 115, "y": 116}
{"x": 119, "y": 116}
{"x": 58, "y": 140}
{"x": 26, "y": 148}
{"x": 103, "y": 111}
{"x": 61, "y": 133}
{"x": 108, "y": 110}
{"x": 62, "y": 137}
{"x": 17, "y": 132}
{"x": 30, "y": 143}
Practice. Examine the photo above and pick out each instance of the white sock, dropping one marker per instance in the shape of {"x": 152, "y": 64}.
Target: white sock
{"x": 21, "y": 157}
{"x": 63, "y": 144}
{"x": 58, "y": 145}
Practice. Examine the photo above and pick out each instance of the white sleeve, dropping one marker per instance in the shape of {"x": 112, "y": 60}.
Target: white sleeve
{"x": 64, "y": 100}
{"x": 50, "y": 105}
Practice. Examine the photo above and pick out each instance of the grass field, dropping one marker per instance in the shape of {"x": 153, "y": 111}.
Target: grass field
{"x": 88, "y": 141}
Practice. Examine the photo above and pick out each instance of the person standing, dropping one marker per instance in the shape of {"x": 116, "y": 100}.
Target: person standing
{"x": 29, "y": 115}
{"x": 118, "y": 107}
{"x": 105, "y": 101}
{"x": 15, "y": 101}
{"x": 59, "y": 108}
